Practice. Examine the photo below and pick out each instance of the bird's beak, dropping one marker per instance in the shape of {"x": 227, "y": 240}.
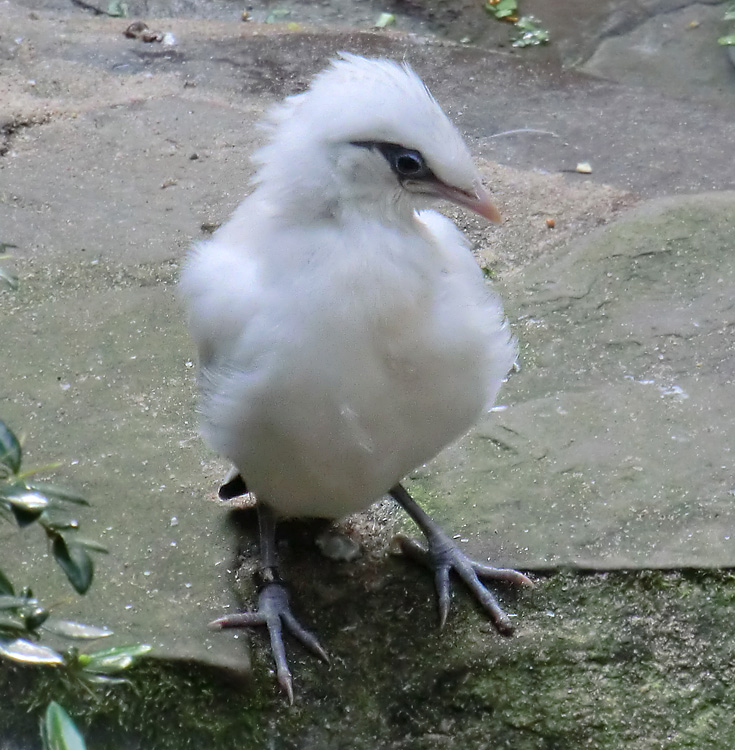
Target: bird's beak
{"x": 477, "y": 201}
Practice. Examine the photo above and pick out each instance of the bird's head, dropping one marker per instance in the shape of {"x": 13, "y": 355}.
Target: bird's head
{"x": 368, "y": 137}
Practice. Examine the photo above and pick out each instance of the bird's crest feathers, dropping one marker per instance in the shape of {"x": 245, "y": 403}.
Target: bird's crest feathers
{"x": 361, "y": 99}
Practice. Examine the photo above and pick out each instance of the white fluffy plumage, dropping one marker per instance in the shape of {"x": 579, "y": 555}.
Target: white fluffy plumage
{"x": 345, "y": 336}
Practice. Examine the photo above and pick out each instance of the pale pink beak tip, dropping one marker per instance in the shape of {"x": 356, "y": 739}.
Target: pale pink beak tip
{"x": 480, "y": 202}
{"x": 490, "y": 212}
{"x": 483, "y": 206}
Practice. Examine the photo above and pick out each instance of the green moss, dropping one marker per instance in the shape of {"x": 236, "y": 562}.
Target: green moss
{"x": 635, "y": 660}
{"x": 165, "y": 706}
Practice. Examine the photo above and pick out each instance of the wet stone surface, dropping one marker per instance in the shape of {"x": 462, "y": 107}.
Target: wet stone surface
{"x": 102, "y": 225}
{"x": 675, "y": 53}
{"x": 614, "y": 449}
{"x": 599, "y": 661}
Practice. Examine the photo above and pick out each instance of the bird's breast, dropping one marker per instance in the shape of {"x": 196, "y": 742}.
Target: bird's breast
{"x": 370, "y": 366}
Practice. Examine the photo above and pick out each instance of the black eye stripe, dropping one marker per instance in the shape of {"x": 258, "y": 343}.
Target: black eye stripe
{"x": 406, "y": 163}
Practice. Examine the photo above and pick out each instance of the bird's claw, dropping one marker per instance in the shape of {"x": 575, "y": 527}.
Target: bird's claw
{"x": 274, "y": 612}
{"x": 443, "y": 556}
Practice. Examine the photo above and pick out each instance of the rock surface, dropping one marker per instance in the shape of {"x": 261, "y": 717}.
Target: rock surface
{"x": 613, "y": 446}
{"x": 116, "y": 155}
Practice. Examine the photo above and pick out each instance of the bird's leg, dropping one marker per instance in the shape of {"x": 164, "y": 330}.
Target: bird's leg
{"x": 443, "y": 556}
{"x": 274, "y": 610}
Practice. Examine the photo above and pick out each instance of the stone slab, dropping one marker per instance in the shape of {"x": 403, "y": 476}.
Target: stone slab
{"x": 674, "y": 52}
{"x": 100, "y": 191}
{"x": 613, "y": 447}
{"x": 105, "y": 386}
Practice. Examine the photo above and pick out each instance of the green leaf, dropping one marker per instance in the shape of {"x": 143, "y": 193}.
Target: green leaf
{"x": 26, "y": 505}
{"x": 385, "y": 20}
{"x": 59, "y": 732}
{"x": 13, "y": 602}
{"x": 10, "y": 450}
{"x": 94, "y": 546}
{"x": 12, "y": 626}
{"x": 26, "y": 652}
{"x": 502, "y": 9}
{"x": 75, "y": 562}
{"x": 530, "y": 33}
{"x": 55, "y": 523}
{"x": 21, "y": 496}
{"x": 24, "y": 517}
{"x": 117, "y": 9}
{"x": 5, "y": 586}
{"x": 77, "y": 630}
{"x": 113, "y": 660}
{"x": 36, "y": 618}
{"x": 52, "y": 492}
{"x": 727, "y": 41}
{"x": 9, "y": 278}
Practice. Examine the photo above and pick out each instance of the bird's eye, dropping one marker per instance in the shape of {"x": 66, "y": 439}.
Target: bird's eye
{"x": 406, "y": 163}
{"x": 409, "y": 164}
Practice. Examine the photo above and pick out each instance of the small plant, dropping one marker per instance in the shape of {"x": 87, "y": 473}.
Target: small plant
{"x": 29, "y": 502}
{"x": 23, "y": 618}
{"x": 529, "y": 32}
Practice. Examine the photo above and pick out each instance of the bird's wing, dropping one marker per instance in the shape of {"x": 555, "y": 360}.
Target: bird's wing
{"x": 222, "y": 292}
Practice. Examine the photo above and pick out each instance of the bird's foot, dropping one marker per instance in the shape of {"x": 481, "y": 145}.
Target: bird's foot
{"x": 444, "y": 556}
{"x": 274, "y": 611}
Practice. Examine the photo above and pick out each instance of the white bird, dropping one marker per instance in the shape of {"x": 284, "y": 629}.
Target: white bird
{"x": 346, "y": 336}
